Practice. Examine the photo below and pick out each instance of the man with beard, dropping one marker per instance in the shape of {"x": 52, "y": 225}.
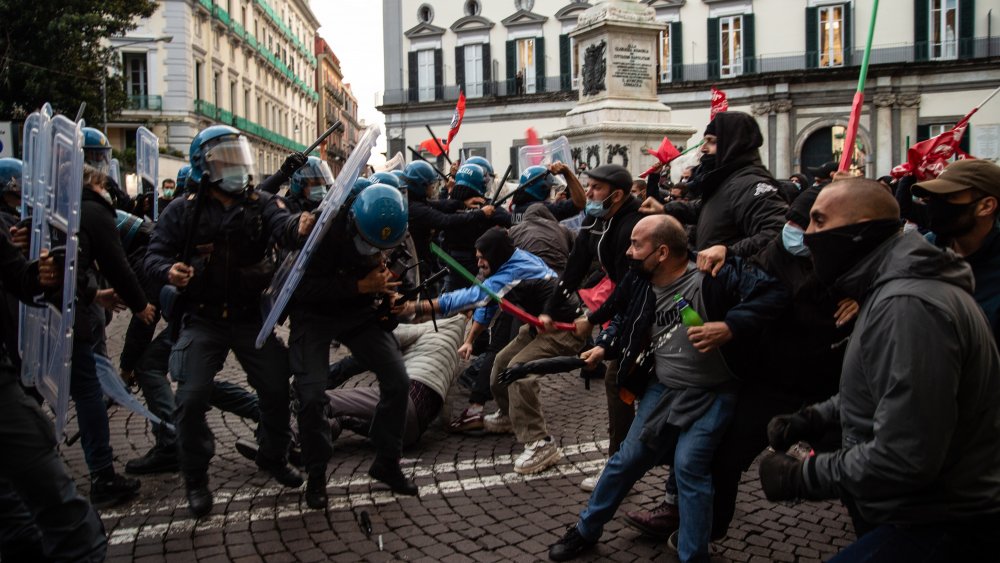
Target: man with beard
{"x": 918, "y": 465}
{"x": 739, "y": 210}
{"x": 963, "y": 204}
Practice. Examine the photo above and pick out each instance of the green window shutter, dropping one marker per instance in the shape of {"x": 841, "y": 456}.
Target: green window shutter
{"x": 460, "y": 67}
{"x": 487, "y": 70}
{"x": 966, "y": 31}
{"x": 565, "y": 64}
{"x": 848, "y": 35}
{"x": 964, "y": 143}
{"x": 812, "y": 37}
{"x": 921, "y": 31}
{"x": 713, "y": 48}
{"x": 438, "y": 74}
{"x": 414, "y": 82}
{"x": 676, "y": 53}
{"x": 749, "y": 46}
{"x": 539, "y": 64}
{"x": 511, "y": 67}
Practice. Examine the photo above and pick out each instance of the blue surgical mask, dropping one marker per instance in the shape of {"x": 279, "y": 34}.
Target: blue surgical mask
{"x": 316, "y": 193}
{"x": 597, "y": 208}
{"x": 794, "y": 240}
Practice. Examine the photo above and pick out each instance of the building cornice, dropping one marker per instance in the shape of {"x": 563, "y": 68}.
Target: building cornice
{"x": 472, "y": 23}
{"x": 523, "y": 18}
{"x": 422, "y": 30}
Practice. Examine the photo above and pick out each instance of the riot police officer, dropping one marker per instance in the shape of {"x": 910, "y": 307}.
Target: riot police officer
{"x": 97, "y": 153}
{"x": 309, "y": 185}
{"x": 340, "y": 298}
{"x": 10, "y": 190}
{"x": 535, "y": 188}
{"x": 222, "y": 286}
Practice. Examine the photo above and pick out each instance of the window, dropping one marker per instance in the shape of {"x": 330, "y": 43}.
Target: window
{"x": 665, "y": 60}
{"x": 731, "y": 46}
{"x": 526, "y": 66}
{"x": 474, "y": 70}
{"x": 197, "y": 28}
{"x": 575, "y": 49}
{"x": 136, "y": 83}
{"x": 524, "y": 4}
{"x": 217, "y": 86}
{"x": 425, "y": 14}
{"x": 425, "y": 75}
{"x": 472, "y": 8}
{"x": 246, "y": 103}
{"x": 944, "y": 29}
{"x": 232, "y": 97}
{"x": 197, "y": 80}
{"x": 831, "y": 36}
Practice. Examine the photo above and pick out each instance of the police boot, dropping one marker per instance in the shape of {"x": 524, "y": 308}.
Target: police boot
{"x": 286, "y": 475}
{"x": 389, "y": 472}
{"x": 316, "y": 488}
{"x": 199, "y": 497}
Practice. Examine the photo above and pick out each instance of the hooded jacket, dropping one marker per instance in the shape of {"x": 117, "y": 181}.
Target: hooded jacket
{"x": 918, "y": 394}
{"x": 740, "y": 205}
{"x": 985, "y": 264}
{"x": 542, "y": 235}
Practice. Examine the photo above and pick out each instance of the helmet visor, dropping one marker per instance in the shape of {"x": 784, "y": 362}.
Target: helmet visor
{"x": 99, "y": 158}
{"x": 230, "y": 161}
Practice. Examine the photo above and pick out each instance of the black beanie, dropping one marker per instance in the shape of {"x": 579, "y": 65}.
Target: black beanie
{"x": 496, "y": 247}
{"x": 710, "y": 128}
{"x": 798, "y": 211}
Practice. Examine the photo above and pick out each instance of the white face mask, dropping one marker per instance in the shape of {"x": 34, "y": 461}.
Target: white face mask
{"x": 793, "y": 238}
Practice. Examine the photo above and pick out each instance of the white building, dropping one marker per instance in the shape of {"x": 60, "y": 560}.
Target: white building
{"x": 244, "y": 63}
{"x": 793, "y": 64}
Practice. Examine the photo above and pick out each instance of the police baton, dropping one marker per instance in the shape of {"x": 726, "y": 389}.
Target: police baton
{"x": 337, "y": 125}
{"x": 518, "y": 189}
{"x": 510, "y": 168}
{"x": 419, "y": 157}
{"x": 438, "y": 143}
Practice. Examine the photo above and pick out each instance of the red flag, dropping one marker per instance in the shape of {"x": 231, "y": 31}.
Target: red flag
{"x": 456, "y": 120}
{"x": 532, "y": 137}
{"x": 719, "y": 102}
{"x": 666, "y": 153}
{"x": 434, "y": 148}
{"x": 927, "y": 159}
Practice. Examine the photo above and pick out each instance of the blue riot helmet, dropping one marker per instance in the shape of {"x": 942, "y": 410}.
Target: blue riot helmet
{"x": 400, "y": 177}
{"x": 420, "y": 178}
{"x": 312, "y": 180}
{"x": 182, "y": 178}
{"x": 379, "y": 217}
{"x": 487, "y": 167}
{"x": 360, "y": 184}
{"x": 473, "y": 177}
{"x": 222, "y": 154}
{"x": 387, "y": 179}
{"x": 96, "y": 149}
{"x": 537, "y": 182}
{"x": 10, "y": 181}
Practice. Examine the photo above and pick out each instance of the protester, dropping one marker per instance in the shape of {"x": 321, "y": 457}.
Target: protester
{"x": 918, "y": 466}
{"x": 639, "y": 189}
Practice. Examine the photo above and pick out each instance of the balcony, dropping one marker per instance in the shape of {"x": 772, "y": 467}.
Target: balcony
{"x": 145, "y": 103}
{"x": 500, "y": 88}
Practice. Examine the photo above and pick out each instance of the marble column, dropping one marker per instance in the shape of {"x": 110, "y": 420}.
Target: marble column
{"x": 761, "y": 111}
{"x": 884, "y": 156}
{"x": 782, "y": 154}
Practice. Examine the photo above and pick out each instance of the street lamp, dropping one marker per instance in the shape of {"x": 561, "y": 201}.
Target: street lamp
{"x": 104, "y": 75}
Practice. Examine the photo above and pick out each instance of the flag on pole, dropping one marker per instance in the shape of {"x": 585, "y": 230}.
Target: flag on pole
{"x": 666, "y": 153}
{"x": 433, "y": 147}
{"x": 719, "y": 102}
{"x": 927, "y": 159}
{"x": 859, "y": 98}
{"x": 532, "y": 137}
{"x": 456, "y": 120}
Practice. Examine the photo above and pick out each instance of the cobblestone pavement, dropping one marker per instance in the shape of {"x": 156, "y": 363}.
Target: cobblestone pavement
{"x": 472, "y": 506}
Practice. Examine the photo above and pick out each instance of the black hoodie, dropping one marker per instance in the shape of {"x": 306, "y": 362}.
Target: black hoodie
{"x": 740, "y": 205}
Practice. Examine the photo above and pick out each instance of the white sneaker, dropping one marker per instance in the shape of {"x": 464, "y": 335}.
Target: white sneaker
{"x": 497, "y": 423}
{"x": 590, "y": 483}
{"x": 537, "y": 457}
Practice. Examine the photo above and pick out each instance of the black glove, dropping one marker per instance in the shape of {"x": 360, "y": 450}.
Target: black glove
{"x": 781, "y": 478}
{"x": 785, "y": 430}
{"x": 294, "y": 161}
{"x": 512, "y": 374}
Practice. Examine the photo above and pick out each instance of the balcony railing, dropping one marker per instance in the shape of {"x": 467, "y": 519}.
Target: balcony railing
{"x": 149, "y": 103}
{"x": 977, "y": 48}
{"x": 214, "y": 113}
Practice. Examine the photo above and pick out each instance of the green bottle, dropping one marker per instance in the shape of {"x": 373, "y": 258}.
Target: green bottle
{"x": 689, "y": 317}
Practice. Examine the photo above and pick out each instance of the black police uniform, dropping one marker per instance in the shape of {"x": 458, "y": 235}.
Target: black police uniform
{"x": 460, "y": 240}
{"x": 561, "y": 210}
{"x": 325, "y": 307}
{"x": 232, "y": 269}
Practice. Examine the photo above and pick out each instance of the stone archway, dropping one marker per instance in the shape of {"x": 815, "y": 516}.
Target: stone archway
{"x": 819, "y": 126}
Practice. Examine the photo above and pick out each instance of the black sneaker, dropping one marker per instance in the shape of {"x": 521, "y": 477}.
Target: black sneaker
{"x": 199, "y": 497}
{"x": 106, "y": 492}
{"x": 247, "y": 448}
{"x": 570, "y": 546}
{"x": 316, "y": 489}
{"x": 156, "y": 460}
{"x": 389, "y": 472}
{"x": 286, "y": 475}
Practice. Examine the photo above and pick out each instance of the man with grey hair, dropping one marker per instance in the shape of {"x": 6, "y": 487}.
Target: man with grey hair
{"x": 919, "y": 466}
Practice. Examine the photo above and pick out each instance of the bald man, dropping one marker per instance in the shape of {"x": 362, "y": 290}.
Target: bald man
{"x": 919, "y": 466}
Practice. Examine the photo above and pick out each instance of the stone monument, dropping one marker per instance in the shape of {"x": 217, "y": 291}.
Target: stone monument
{"x": 619, "y": 115}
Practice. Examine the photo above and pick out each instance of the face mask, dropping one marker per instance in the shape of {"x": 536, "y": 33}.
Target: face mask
{"x": 168, "y": 194}
{"x": 363, "y": 248}
{"x": 598, "y": 208}
{"x": 107, "y": 197}
{"x": 638, "y": 266}
{"x": 836, "y": 251}
{"x": 950, "y": 219}
{"x": 793, "y": 239}
{"x": 234, "y": 180}
{"x": 708, "y": 162}
{"x": 316, "y": 193}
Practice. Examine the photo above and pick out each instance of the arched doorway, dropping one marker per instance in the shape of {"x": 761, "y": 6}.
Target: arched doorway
{"x": 824, "y": 142}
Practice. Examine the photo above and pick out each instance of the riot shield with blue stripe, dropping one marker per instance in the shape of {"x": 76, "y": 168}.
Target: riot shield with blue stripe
{"x": 147, "y": 165}
{"x": 286, "y": 279}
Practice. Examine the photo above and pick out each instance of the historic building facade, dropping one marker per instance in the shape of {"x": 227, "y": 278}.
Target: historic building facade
{"x": 336, "y": 102}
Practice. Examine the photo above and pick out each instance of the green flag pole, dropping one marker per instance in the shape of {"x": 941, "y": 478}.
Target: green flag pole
{"x": 859, "y": 98}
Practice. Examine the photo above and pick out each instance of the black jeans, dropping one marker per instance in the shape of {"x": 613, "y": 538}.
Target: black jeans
{"x": 197, "y": 357}
{"x": 372, "y": 347}
{"x": 35, "y": 485}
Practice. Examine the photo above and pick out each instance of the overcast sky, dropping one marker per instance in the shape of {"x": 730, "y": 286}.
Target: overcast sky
{"x": 353, "y": 29}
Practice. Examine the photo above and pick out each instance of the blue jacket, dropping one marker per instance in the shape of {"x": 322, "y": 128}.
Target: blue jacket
{"x": 524, "y": 279}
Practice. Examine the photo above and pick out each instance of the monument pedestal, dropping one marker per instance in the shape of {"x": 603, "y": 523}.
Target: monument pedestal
{"x": 619, "y": 115}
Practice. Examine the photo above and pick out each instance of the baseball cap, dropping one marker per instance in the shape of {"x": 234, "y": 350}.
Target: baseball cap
{"x": 964, "y": 174}
{"x": 614, "y": 174}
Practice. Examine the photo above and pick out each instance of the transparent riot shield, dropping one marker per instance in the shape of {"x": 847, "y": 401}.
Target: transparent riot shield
{"x": 114, "y": 387}
{"x": 48, "y": 332}
{"x": 545, "y": 154}
{"x": 286, "y": 279}
{"x": 397, "y": 162}
{"x": 31, "y": 195}
{"x": 147, "y": 165}
{"x": 115, "y": 172}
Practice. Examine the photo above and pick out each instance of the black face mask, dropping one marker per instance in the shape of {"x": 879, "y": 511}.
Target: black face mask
{"x": 836, "y": 251}
{"x": 951, "y": 219}
{"x": 638, "y": 266}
